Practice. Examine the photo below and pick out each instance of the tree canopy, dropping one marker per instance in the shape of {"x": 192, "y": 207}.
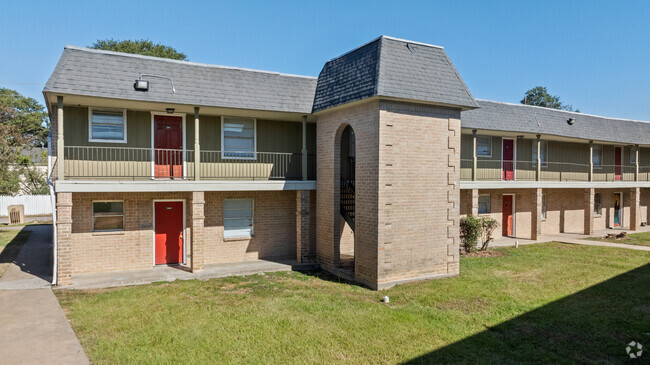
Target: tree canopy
{"x": 539, "y": 96}
{"x": 140, "y": 46}
{"x": 27, "y": 115}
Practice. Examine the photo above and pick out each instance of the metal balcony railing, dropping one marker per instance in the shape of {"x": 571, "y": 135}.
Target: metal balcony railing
{"x": 127, "y": 163}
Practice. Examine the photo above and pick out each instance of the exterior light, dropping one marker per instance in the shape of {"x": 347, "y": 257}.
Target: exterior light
{"x": 141, "y": 85}
{"x": 571, "y": 121}
{"x": 162, "y": 77}
{"x": 170, "y": 110}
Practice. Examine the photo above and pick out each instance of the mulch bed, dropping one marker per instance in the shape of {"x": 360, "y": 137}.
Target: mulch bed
{"x": 488, "y": 253}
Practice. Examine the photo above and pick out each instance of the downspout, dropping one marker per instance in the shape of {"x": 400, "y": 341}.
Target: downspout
{"x": 53, "y": 202}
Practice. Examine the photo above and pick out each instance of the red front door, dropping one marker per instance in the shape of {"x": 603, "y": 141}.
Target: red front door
{"x": 618, "y": 162}
{"x": 508, "y": 159}
{"x": 168, "y": 146}
{"x": 507, "y": 220}
{"x": 169, "y": 232}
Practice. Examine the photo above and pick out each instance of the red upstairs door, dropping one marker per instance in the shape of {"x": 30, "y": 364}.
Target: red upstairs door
{"x": 168, "y": 146}
{"x": 168, "y": 232}
{"x": 508, "y": 159}
{"x": 618, "y": 163}
{"x": 507, "y": 220}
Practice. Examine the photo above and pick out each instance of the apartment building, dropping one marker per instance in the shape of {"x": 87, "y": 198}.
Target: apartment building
{"x": 363, "y": 171}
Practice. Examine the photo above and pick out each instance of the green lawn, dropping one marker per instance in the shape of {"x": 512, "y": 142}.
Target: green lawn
{"x": 641, "y": 239}
{"x": 10, "y": 244}
{"x": 548, "y": 303}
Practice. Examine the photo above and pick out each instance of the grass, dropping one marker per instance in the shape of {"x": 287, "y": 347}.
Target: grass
{"x": 548, "y": 303}
{"x": 10, "y": 244}
{"x": 641, "y": 239}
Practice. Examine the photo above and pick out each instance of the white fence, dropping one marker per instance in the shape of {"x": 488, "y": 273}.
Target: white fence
{"x": 34, "y": 204}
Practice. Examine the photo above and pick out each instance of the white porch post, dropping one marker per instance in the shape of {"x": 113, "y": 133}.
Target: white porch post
{"x": 474, "y": 155}
{"x": 197, "y": 147}
{"x": 304, "y": 147}
{"x": 60, "y": 147}
{"x": 591, "y": 160}
{"x": 538, "y": 172}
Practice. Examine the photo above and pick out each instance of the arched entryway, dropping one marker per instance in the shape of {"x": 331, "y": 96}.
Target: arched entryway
{"x": 344, "y": 244}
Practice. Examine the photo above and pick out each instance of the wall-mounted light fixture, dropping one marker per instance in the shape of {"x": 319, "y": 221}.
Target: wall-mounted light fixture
{"x": 143, "y": 85}
{"x": 571, "y": 121}
{"x": 170, "y": 110}
{"x": 520, "y": 136}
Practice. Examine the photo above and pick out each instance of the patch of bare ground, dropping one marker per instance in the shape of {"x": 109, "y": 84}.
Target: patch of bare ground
{"x": 487, "y": 253}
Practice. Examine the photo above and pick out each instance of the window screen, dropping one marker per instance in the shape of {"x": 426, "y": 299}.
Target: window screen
{"x": 483, "y": 204}
{"x": 107, "y": 125}
{"x": 108, "y": 216}
{"x": 238, "y": 138}
{"x": 237, "y": 218}
{"x": 484, "y": 146}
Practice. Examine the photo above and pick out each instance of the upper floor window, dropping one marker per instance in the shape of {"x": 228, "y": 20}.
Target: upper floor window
{"x": 632, "y": 156}
{"x": 598, "y": 156}
{"x": 543, "y": 147}
{"x": 107, "y": 126}
{"x": 484, "y": 146}
{"x": 238, "y": 138}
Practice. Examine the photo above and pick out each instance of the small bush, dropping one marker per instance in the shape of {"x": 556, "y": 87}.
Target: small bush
{"x": 472, "y": 228}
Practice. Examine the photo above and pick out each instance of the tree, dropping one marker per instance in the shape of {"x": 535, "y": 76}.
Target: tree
{"x": 539, "y": 96}
{"x": 27, "y": 115}
{"x": 141, "y": 46}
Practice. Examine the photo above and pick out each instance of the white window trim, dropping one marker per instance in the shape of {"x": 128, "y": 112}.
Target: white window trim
{"x": 92, "y": 208}
{"x": 602, "y": 153}
{"x": 489, "y": 203}
{"x": 599, "y": 214}
{"x": 490, "y": 143}
{"x": 252, "y": 220}
{"x": 534, "y": 152}
{"x": 544, "y": 208}
{"x": 90, "y": 126}
{"x": 223, "y": 152}
{"x": 514, "y": 214}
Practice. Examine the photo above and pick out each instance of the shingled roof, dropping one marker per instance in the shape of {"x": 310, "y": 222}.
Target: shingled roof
{"x": 499, "y": 116}
{"x": 83, "y": 71}
{"x": 392, "y": 67}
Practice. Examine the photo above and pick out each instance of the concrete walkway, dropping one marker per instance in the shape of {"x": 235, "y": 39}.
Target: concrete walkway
{"x": 172, "y": 273}
{"x": 34, "y": 327}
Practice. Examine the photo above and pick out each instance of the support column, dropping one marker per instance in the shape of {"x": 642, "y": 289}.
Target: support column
{"x": 198, "y": 238}
{"x": 591, "y": 160}
{"x": 304, "y": 147}
{"x": 60, "y": 146}
{"x": 536, "y": 213}
{"x": 635, "y": 208}
{"x": 475, "y": 202}
{"x": 474, "y": 155}
{"x": 64, "y": 238}
{"x": 303, "y": 213}
{"x": 197, "y": 147}
{"x": 589, "y": 211}
{"x": 538, "y": 171}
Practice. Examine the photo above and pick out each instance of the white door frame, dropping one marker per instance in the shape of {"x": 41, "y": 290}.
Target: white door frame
{"x": 514, "y": 213}
{"x": 184, "y": 258}
{"x": 184, "y": 139}
{"x": 621, "y": 211}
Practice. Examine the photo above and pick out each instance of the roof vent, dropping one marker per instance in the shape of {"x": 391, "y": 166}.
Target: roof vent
{"x": 571, "y": 121}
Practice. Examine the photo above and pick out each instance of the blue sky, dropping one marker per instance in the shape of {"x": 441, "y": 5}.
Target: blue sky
{"x": 594, "y": 54}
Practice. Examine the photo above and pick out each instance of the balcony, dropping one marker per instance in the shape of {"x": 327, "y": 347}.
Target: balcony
{"x": 500, "y": 170}
{"x": 132, "y": 164}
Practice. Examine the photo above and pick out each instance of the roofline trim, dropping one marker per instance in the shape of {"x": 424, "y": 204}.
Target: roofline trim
{"x": 189, "y": 63}
{"x": 563, "y": 111}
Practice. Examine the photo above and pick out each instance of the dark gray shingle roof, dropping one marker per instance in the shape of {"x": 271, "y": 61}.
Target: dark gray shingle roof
{"x": 83, "y": 71}
{"x": 498, "y": 116}
{"x": 394, "y": 68}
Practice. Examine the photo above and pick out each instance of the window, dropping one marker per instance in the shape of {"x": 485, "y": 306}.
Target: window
{"x": 107, "y": 126}
{"x": 632, "y": 156}
{"x": 483, "y": 204}
{"x": 484, "y": 146}
{"x": 108, "y": 216}
{"x": 543, "y": 155}
{"x": 238, "y": 138}
{"x": 598, "y": 208}
{"x": 598, "y": 156}
{"x": 543, "y": 206}
{"x": 237, "y": 218}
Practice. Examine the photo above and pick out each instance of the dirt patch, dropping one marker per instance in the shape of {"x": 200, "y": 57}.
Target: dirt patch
{"x": 488, "y": 253}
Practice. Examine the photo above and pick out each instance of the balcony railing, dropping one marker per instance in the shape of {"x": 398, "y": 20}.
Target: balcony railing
{"x": 500, "y": 170}
{"x": 124, "y": 163}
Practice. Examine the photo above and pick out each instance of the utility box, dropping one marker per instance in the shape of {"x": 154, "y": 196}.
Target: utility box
{"x": 16, "y": 214}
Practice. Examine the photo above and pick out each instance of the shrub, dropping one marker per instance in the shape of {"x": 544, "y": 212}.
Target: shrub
{"x": 488, "y": 226}
{"x": 470, "y": 231}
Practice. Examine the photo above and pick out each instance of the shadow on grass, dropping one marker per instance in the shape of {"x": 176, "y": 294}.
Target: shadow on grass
{"x": 11, "y": 250}
{"x": 591, "y": 326}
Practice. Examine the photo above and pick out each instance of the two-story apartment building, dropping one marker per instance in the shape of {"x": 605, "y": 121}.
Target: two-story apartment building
{"x": 364, "y": 171}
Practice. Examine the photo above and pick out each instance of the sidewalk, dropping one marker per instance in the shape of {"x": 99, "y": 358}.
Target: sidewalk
{"x": 34, "y": 327}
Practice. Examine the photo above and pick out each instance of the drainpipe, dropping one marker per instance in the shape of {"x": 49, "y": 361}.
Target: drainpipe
{"x": 53, "y": 203}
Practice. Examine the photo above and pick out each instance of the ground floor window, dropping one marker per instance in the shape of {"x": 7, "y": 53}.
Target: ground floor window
{"x": 108, "y": 216}
{"x": 543, "y": 206}
{"x": 598, "y": 208}
{"x": 237, "y": 218}
{"x": 483, "y": 204}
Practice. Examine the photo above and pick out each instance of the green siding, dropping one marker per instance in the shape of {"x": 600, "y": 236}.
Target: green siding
{"x": 75, "y": 129}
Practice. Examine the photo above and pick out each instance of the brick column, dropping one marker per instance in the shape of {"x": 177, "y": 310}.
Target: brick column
{"x": 536, "y": 214}
{"x": 635, "y": 208}
{"x": 64, "y": 238}
{"x": 303, "y": 213}
{"x": 474, "y": 202}
{"x": 198, "y": 222}
{"x": 589, "y": 211}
